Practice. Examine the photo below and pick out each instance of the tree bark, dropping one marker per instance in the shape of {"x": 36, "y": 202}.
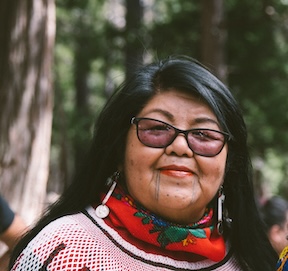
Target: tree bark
{"x": 213, "y": 37}
{"x": 27, "y": 39}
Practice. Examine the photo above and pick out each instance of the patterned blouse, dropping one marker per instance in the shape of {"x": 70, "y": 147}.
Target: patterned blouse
{"x": 84, "y": 242}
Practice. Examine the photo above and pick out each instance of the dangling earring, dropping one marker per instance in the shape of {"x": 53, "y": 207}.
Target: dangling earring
{"x": 220, "y": 203}
{"x": 102, "y": 210}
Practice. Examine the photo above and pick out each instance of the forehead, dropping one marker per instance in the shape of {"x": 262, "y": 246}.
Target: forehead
{"x": 175, "y": 104}
{"x": 174, "y": 96}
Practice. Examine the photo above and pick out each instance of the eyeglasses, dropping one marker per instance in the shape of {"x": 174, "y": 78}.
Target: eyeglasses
{"x": 159, "y": 134}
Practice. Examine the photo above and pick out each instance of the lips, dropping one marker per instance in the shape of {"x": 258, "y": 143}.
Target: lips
{"x": 176, "y": 171}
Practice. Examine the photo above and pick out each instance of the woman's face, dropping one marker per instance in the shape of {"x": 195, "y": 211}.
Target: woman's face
{"x": 174, "y": 182}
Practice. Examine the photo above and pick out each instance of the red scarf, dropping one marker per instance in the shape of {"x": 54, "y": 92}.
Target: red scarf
{"x": 200, "y": 240}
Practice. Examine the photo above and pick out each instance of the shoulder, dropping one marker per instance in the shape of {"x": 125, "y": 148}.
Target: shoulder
{"x": 6, "y": 215}
{"x": 282, "y": 264}
{"x": 66, "y": 237}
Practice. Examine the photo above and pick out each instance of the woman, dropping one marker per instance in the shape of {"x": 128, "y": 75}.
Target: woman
{"x": 171, "y": 143}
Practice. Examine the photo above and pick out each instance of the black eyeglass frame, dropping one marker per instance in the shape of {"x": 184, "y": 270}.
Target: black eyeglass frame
{"x": 227, "y": 136}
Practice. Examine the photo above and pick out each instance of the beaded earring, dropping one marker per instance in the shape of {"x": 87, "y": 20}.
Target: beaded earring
{"x": 222, "y": 214}
{"x": 220, "y": 203}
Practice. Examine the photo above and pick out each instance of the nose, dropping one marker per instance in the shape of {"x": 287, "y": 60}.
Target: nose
{"x": 179, "y": 146}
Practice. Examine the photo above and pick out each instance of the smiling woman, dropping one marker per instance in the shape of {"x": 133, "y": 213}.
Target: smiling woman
{"x": 166, "y": 184}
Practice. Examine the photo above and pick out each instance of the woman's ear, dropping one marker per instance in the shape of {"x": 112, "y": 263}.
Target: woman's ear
{"x": 275, "y": 233}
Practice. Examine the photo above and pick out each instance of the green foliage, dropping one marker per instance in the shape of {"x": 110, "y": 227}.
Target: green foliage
{"x": 257, "y": 72}
{"x": 257, "y": 46}
{"x": 176, "y": 28}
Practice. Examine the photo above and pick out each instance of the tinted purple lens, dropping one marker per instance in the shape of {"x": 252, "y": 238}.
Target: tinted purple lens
{"x": 155, "y": 134}
{"x": 205, "y": 141}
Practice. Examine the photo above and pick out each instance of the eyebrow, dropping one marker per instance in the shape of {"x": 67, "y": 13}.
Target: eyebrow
{"x": 199, "y": 120}
{"x": 163, "y": 112}
{"x": 205, "y": 120}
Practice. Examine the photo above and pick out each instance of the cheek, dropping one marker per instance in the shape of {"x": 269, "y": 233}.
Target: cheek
{"x": 129, "y": 153}
{"x": 220, "y": 170}
{"x": 220, "y": 164}
{"x": 214, "y": 170}
{"x": 138, "y": 158}
{"x": 136, "y": 164}
{"x": 132, "y": 155}
{"x": 134, "y": 160}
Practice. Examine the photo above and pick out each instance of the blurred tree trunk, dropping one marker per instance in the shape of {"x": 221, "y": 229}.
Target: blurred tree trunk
{"x": 134, "y": 18}
{"x": 27, "y": 30}
{"x": 213, "y": 37}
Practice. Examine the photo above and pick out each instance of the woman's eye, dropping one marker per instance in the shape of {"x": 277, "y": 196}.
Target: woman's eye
{"x": 206, "y": 135}
{"x": 199, "y": 134}
{"x": 160, "y": 128}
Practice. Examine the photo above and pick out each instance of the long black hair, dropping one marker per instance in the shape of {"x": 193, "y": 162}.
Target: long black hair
{"x": 247, "y": 237}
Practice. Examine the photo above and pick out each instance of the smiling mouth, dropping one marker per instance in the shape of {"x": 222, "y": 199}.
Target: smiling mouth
{"x": 176, "y": 172}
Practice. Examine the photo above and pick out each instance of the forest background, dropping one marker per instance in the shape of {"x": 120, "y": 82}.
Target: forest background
{"x": 60, "y": 61}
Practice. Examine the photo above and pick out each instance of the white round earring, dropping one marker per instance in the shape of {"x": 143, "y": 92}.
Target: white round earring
{"x": 102, "y": 210}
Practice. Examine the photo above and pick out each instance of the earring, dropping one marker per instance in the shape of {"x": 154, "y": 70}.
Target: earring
{"x": 220, "y": 203}
{"x": 102, "y": 210}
